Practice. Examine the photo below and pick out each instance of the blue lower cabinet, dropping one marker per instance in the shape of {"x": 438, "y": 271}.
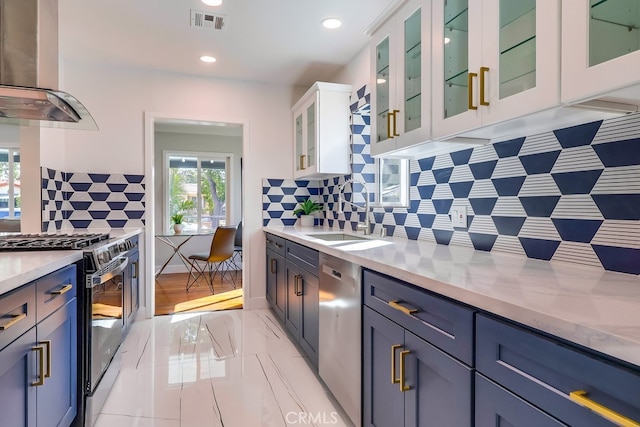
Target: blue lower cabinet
{"x": 276, "y": 283}
{"x": 57, "y": 397}
{"x": 301, "y": 309}
{"x": 495, "y": 406}
{"x": 17, "y": 395}
{"x": 409, "y": 382}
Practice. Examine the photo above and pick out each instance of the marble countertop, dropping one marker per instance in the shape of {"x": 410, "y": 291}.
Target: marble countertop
{"x": 19, "y": 268}
{"x": 591, "y": 307}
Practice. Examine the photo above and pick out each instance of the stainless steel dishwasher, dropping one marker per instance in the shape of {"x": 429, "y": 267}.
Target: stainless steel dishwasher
{"x": 339, "y": 351}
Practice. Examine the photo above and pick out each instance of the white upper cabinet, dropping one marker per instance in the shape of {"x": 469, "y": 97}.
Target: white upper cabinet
{"x": 321, "y": 131}
{"x": 493, "y": 61}
{"x": 401, "y": 79}
{"x": 601, "y": 50}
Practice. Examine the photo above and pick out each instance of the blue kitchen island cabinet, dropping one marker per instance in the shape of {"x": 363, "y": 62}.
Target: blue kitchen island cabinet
{"x": 39, "y": 367}
{"x": 276, "y": 275}
{"x": 407, "y": 379}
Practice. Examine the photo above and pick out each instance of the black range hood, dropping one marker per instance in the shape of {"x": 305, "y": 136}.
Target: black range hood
{"x": 29, "y": 69}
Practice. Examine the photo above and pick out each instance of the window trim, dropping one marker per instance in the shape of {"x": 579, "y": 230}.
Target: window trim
{"x": 404, "y": 182}
{"x": 228, "y": 158}
{"x": 12, "y": 149}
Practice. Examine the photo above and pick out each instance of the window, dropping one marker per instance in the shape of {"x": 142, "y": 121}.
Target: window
{"x": 9, "y": 183}
{"x": 392, "y": 183}
{"x": 197, "y": 188}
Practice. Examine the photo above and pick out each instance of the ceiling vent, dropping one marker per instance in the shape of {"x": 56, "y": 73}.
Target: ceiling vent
{"x": 208, "y": 21}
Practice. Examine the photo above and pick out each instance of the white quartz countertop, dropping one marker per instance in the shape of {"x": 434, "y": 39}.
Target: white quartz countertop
{"x": 19, "y": 268}
{"x": 591, "y": 307}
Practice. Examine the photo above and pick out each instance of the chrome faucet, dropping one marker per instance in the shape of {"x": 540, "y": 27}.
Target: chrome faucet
{"x": 366, "y": 227}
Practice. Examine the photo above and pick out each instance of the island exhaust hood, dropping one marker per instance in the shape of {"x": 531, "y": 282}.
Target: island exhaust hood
{"x": 29, "y": 69}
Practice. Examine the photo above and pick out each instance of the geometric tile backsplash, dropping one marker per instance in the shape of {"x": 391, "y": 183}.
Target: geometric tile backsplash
{"x": 91, "y": 200}
{"x": 570, "y": 195}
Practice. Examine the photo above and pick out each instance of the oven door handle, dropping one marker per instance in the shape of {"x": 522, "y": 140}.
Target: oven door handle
{"x": 97, "y": 280}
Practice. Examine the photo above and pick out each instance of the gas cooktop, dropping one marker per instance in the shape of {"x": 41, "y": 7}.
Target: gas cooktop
{"x": 47, "y": 242}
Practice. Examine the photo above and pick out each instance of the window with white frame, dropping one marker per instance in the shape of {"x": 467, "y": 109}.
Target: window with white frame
{"x": 9, "y": 182}
{"x": 392, "y": 182}
{"x": 197, "y": 186}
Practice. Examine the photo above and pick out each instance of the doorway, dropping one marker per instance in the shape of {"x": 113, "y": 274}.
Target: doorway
{"x": 198, "y": 178}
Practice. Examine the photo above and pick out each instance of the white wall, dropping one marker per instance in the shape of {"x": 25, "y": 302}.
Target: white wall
{"x": 198, "y": 143}
{"x": 357, "y": 72}
{"x": 118, "y": 99}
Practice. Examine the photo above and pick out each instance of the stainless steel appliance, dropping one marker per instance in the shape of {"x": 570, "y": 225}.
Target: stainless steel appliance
{"x": 339, "y": 350}
{"x": 100, "y": 307}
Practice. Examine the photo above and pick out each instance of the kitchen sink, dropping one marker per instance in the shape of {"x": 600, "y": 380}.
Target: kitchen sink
{"x": 334, "y": 237}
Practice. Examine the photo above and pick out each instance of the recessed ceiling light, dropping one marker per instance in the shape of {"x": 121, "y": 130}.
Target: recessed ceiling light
{"x": 331, "y": 23}
{"x": 207, "y": 58}
{"x": 212, "y": 2}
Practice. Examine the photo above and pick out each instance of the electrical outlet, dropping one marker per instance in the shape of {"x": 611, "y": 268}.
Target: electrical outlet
{"x": 459, "y": 216}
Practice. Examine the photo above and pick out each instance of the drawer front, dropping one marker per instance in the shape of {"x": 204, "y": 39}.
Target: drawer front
{"x": 496, "y": 406}
{"x": 276, "y": 243}
{"x": 55, "y": 290}
{"x": 17, "y": 313}
{"x": 445, "y": 324}
{"x": 303, "y": 257}
{"x": 545, "y": 372}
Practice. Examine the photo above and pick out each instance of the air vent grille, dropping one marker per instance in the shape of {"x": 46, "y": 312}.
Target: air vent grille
{"x": 208, "y": 21}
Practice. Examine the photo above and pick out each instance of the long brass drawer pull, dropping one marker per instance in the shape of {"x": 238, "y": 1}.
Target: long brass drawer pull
{"x": 136, "y": 266}
{"x": 470, "y": 94}
{"x": 483, "y": 85}
{"x": 396, "y": 305}
{"x": 16, "y": 318}
{"x": 48, "y": 344}
{"x": 40, "y": 350}
{"x": 580, "y": 397}
{"x": 403, "y": 386}
{"x": 394, "y": 380}
{"x": 63, "y": 290}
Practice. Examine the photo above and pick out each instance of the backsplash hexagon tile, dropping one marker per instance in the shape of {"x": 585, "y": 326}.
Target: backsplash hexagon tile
{"x": 78, "y": 200}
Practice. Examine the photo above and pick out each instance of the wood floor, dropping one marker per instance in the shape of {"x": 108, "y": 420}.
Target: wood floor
{"x": 172, "y": 297}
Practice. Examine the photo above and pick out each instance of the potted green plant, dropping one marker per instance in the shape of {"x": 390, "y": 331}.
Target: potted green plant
{"x": 178, "y": 226}
{"x": 305, "y": 210}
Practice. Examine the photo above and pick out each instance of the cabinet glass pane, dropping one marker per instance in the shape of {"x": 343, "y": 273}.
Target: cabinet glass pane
{"x": 613, "y": 29}
{"x": 311, "y": 135}
{"x": 517, "y": 46}
{"x": 412, "y": 72}
{"x": 456, "y": 56}
{"x": 298, "y": 141}
{"x": 382, "y": 89}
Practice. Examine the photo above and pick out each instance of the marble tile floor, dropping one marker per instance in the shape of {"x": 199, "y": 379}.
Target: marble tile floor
{"x": 233, "y": 368}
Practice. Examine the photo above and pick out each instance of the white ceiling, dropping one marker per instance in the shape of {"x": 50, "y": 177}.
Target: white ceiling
{"x": 275, "y": 41}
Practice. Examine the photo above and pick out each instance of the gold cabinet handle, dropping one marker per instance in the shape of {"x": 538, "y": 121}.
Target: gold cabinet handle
{"x": 274, "y": 266}
{"x": 470, "y": 94}
{"x": 40, "y": 350}
{"x": 395, "y": 122}
{"x": 15, "y": 319}
{"x": 389, "y": 114}
{"x": 48, "y": 344}
{"x": 483, "y": 85}
{"x": 63, "y": 290}
{"x": 580, "y": 397}
{"x": 135, "y": 269}
{"x": 301, "y": 161}
{"x": 403, "y": 386}
{"x": 394, "y": 380}
{"x": 396, "y": 305}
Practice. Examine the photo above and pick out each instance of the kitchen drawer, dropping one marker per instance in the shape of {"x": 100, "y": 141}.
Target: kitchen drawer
{"x": 495, "y": 406}
{"x": 276, "y": 244}
{"x": 445, "y": 324}
{"x": 303, "y": 257}
{"x": 544, "y": 372}
{"x": 17, "y": 313}
{"x": 55, "y": 290}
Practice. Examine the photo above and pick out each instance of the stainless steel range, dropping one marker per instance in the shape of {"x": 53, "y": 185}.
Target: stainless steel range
{"x": 100, "y": 306}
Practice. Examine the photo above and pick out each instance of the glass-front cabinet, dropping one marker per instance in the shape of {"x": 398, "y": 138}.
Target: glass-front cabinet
{"x": 493, "y": 60}
{"x": 601, "y": 40}
{"x": 401, "y": 73}
{"x": 321, "y": 131}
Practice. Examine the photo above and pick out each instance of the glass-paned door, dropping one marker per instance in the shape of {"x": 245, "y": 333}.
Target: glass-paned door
{"x": 382, "y": 90}
{"x": 614, "y": 29}
{"x": 311, "y": 135}
{"x": 456, "y": 57}
{"x": 517, "y": 46}
{"x": 298, "y": 137}
{"x": 413, "y": 72}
